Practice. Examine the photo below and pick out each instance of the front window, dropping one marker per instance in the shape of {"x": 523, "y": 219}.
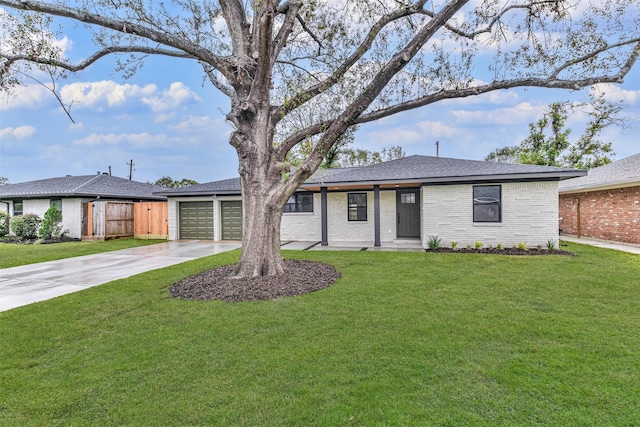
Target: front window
{"x": 57, "y": 203}
{"x": 300, "y": 202}
{"x": 487, "y": 203}
{"x": 357, "y": 206}
{"x": 17, "y": 207}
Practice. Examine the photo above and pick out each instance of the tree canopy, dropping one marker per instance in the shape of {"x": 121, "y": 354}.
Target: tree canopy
{"x": 549, "y": 141}
{"x": 300, "y": 71}
{"x": 168, "y": 182}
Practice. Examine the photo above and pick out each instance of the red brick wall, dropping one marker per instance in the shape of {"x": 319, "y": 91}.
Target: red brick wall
{"x": 606, "y": 214}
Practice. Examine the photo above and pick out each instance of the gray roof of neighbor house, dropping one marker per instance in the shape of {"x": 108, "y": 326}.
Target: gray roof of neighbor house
{"x": 621, "y": 173}
{"x": 103, "y": 185}
{"x": 407, "y": 170}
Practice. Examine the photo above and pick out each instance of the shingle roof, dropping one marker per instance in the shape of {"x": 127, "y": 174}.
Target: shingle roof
{"x": 624, "y": 172}
{"x": 412, "y": 169}
{"x": 82, "y": 186}
{"x": 428, "y": 169}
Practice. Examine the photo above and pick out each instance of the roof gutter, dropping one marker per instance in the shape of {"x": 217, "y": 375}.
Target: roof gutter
{"x": 454, "y": 179}
{"x": 602, "y": 186}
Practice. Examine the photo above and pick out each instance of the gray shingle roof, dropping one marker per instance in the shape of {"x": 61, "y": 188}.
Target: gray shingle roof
{"x": 412, "y": 169}
{"x": 624, "y": 172}
{"x": 426, "y": 169}
{"x": 103, "y": 185}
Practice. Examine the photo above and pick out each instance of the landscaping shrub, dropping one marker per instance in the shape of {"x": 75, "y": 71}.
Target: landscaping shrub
{"x": 51, "y": 225}
{"x": 434, "y": 242}
{"x": 26, "y": 226}
{"x": 4, "y": 223}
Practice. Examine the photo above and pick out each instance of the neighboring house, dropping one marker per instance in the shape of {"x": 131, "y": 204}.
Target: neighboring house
{"x": 71, "y": 195}
{"x": 605, "y": 204}
{"x": 410, "y": 198}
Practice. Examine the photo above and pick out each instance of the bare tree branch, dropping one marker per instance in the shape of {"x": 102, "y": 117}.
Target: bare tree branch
{"x": 162, "y": 37}
{"x": 358, "y": 53}
{"x": 210, "y": 72}
{"x": 290, "y": 11}
{"x": 95, "y": 57}
{"x": 633, "y": 57}
{"x": 549, "y": 82}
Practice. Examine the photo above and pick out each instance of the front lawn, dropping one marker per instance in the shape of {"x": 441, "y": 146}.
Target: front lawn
{"x": 13, "y": 255}
{"x": 402, "y": 339}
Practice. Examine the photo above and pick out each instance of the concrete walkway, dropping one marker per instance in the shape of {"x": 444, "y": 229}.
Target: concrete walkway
{"x": 624, "y": 247}
{"x": 38, "y": 282}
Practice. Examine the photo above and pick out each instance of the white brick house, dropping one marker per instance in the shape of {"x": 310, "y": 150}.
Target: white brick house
{"x": 410, "y": 198}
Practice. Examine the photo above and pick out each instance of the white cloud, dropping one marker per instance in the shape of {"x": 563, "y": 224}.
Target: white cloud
{"x": 25, "y": 96}
{"x": 524, "y": 112}
{"x": 139, "y": 140}
{"x": 438, "y": 129}
{"x": 194, "y": 122}
{"x": 89, "y": 94}
{"x": 176, "y": 95}
{"x": 395, "y": 136}
{"x": 616, "y": 93}
{"x": 21, "y": 132}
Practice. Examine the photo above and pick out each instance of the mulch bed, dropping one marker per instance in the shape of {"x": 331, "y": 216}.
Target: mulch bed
{"x": 300, "y": 277}
{"x": 504, "y": 251}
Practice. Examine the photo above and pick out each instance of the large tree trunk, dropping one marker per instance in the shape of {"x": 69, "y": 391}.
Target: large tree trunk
{"x": 261, "y": 234}
{"x": 263, "y": 197}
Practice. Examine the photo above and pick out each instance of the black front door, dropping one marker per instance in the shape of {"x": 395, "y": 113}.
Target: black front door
{"x": 408, "y": 213}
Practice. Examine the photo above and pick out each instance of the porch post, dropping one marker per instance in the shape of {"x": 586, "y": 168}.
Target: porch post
{"x": 376, "y": 214}
{"x": 323, "y": 214}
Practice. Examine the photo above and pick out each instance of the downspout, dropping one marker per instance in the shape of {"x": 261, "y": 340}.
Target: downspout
{"x": 578, "y": 228}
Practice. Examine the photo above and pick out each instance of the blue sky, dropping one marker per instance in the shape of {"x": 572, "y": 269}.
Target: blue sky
{"x": 170, "y": 121}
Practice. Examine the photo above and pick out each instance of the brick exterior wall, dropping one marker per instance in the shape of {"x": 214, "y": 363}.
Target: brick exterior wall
{"x": 606, "y": 214}
{"x": 529, "y": 214}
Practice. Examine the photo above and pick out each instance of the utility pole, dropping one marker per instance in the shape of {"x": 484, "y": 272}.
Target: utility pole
{"x": 437, "y": 148}
{"x": 130, "y": 164}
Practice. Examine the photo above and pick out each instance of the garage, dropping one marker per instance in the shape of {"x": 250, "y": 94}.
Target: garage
{"x": 196, "y": 220}
{"x": 231, "y": 220}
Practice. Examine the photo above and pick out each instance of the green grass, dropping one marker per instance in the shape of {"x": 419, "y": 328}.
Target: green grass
{"x": 13, "y": 255}
{"x": 402, "y": 339}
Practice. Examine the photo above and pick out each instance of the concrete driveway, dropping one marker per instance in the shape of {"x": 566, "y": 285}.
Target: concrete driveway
{"x": 38, "y": 282}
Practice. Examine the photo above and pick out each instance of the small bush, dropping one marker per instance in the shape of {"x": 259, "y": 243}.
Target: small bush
{"x": 523, "y": 246}
{"x": 500, "y": 246}
{"x": 51, "y": 225}
{"x": 478, "y": 245}
{"x": 434, "y": 242}
{"x": 454, "y": 245}
{"x": 4, "y": 223}
{"x": 26, "y": 226}
{"x": 551, "y": 244}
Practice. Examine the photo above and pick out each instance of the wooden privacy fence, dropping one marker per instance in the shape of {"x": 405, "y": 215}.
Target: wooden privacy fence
{"x": 104, "y": 220}
{"x": 151, "y": 220}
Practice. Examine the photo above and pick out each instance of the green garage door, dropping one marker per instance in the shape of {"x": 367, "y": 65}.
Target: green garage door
{"x": 196, "y": 220}
{"x": 231, "y": 220}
